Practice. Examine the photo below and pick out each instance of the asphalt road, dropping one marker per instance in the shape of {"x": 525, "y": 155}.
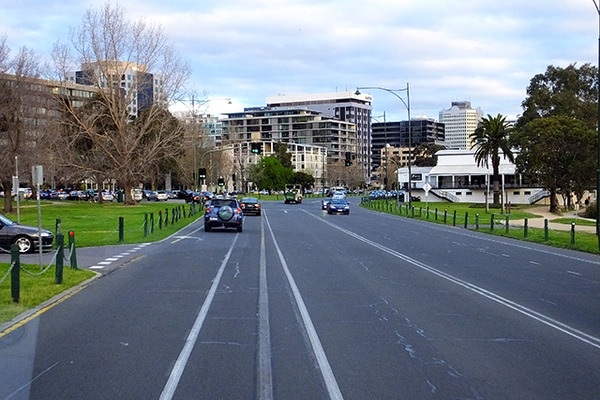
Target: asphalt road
{"x": 305, "y": 305}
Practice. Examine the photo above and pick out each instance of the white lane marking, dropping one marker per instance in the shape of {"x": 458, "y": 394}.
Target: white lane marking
{"x": 326, "y": 371}
{"x": 175, "y": 376}
{"x": 569, "y": 330}
{"x": 97, "y": 267}
{"x": 265, "y": 375}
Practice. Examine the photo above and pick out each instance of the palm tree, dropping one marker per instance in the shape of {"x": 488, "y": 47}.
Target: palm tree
{"x": 490, "y": 138}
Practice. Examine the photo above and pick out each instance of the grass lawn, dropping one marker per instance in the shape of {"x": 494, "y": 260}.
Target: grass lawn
{"x": 98, "y": 224}
{"x": 93, "y": 225}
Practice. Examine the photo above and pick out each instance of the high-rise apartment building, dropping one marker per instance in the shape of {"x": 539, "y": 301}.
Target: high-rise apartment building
{"x": 140, "y": 88}
{"x": 346, "y": 107}
{"x": 460, "y": 120}
{"x": 422, "y": 130}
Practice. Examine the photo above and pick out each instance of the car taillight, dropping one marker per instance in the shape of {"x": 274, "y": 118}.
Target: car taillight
{"x": 239, "y": 210}
{"x": 242, "y": 205}
{"x": 257, "y": 205}
{"x": 207, "y": 210}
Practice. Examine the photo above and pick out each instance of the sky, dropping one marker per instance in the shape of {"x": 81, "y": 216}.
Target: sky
{"x": 482, "y": 51}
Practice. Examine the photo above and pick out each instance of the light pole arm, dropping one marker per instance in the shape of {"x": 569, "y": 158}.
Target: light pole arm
{"x": 406, "y": 104}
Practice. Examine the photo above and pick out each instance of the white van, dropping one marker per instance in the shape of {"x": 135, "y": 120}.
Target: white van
{"x": 137, "y": 194}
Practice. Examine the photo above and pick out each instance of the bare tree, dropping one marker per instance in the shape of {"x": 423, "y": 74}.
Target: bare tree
{"x": 23, "y": 101}
{"x": 125, "y": 130}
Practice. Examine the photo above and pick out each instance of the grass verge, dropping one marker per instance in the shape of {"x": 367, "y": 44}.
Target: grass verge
{"x": 475, "y": 217}
{"x": 35, "y": 289}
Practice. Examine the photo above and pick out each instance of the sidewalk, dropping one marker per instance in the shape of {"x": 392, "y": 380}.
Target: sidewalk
{"x": 542, "y": 211}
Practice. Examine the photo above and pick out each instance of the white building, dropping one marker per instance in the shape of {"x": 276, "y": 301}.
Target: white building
{"x": 458, "y": 178}
{"x": 460, "y": 121}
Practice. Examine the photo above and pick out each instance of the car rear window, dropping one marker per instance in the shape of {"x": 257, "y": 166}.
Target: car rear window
{"x": 221, "y": 203}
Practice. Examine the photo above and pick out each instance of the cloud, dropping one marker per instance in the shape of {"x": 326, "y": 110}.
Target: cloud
{"x": 477, "y": 50}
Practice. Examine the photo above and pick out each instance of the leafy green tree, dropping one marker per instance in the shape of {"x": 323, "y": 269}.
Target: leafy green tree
{"x": 281, "y": 153}
{"x": 569, "y": 91}
{"x": 270, "y": 174}
{"x": 559, "y": 152}
{"x": 425, "y": 154}
{"x": 304, "y": 179}
{"x": 491, "y": 138}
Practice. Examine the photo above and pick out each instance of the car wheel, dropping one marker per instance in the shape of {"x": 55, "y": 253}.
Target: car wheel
{"x": 25, "y": 244}
{"x": 225, "y": 213}
{"x": 206, "y": 228}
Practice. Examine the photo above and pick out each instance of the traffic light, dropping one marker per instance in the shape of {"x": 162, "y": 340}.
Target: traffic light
{"x": 256, "y": 147}
{"x": 221, "y": 181}
{"x": 348, "y": 159}
{"x": 202, "y": 173}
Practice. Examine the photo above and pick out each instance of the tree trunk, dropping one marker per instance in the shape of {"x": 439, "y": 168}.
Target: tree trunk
{"x": 496, "y": 191}
{"x": 553, "y": 201}
{"x": 8, "y": 207}
{"x": 129, "y": 201}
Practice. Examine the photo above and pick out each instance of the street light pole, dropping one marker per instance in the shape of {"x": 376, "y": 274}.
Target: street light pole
{"x": 598, "y": 131}
{"x": 407, "y": 105}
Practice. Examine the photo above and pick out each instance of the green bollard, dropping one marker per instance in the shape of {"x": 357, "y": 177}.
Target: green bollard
{"x": 121, "y": 229}
{"x": 507, "y": 225}
{"x": 15, "y": 277}
{"x": 166, "y": 217}
{"x": 526, "y": 227}
{"x": 60, "y": 254}
{"x": 445, "y": 216}
{"x": 492, "y": 223}
{"x": 476, "y": 221}
{"x": 436, "y": 213}
{"x": 159, "y": 219}
{"x": 151, "y": 222}
{"x": 173, "y": 220}
{"x": 72, "y": 251}
{"x": 546, "y": 230}
{"x": 454, "y": 219}
{"x": 466, "y": 220}
{"x": 572, "y": 233}
{"x": 145, "y": 224}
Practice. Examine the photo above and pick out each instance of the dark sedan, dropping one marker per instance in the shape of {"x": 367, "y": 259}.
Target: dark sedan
{"x": 338, "y": 206}
{"x": 26, "y": 237}
{"x": 250, "y": 205}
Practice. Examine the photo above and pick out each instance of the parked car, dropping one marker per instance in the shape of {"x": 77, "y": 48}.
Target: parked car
{"x": 137, "y": 194}
{"x": 25, "y": 236}
{"x": 106, "y": 196}
{"x": 161, "y": 195}
{"x": 62, "y": 195}
{"x": 223, "y": 212}
{"x": 338, "y": 205}
{"x": 250, "y": 205}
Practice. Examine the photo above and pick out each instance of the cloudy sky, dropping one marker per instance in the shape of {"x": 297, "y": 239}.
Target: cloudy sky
{"x": 483, "y": 51}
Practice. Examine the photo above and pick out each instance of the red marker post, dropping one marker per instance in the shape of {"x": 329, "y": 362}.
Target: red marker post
{"x": 73, "y": 254}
